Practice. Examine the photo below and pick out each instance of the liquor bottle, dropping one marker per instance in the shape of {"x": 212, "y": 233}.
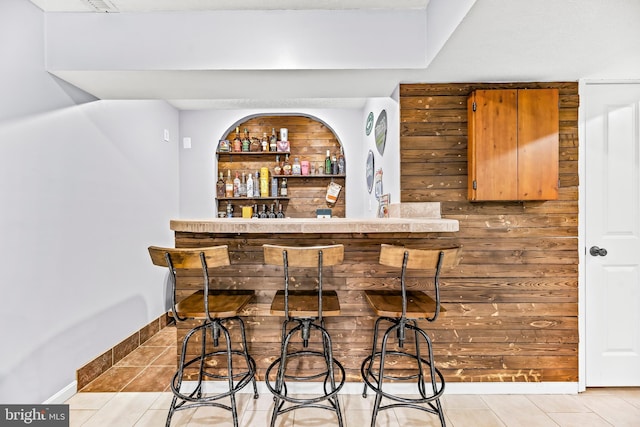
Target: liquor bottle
{"x": 334, "y": 164}
{"x": 286, "y": 167}
{"x": 327, "y": 164}
{"x": 274, "y": 187}
{"x": 237, "y": 142}
{"x": 242, "y": 190}
{"x": 250, "y": 189}
{"x": 263, "y": 213}
{"x": 283, "y": 187}
{"x": 272, "y": 212}
{"x": 220, "y": 186}
{"x": 264, "y": 144}
{"x": 246, "y": 142}
{"x": 296, "y": 169}
{"x": 236, "y": 186}
{"x": 280, "y": 214}
{"x": 228, "y": 185}
{"x": 256, "y": 186}
{"x": 273, "y": 142}
{"x": 277, "y": 169}
{"x": 255, "y": 145}
{"x": 342, "y": 167}
{"x": 255, "y": 212}
{"x": 229, "y": 210}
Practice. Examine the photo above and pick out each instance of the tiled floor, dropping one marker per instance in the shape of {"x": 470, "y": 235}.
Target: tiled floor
{"x": 134, "y": 393}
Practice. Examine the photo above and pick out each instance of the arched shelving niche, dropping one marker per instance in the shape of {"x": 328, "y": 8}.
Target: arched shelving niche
{"x": 309, "y": 139}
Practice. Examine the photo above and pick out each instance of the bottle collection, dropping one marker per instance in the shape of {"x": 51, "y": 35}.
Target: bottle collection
{"x": 268, "y": 182}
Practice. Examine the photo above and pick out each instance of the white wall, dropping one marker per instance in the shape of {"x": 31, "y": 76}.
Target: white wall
{"x": 389, "y": 161}
{"x": 197, "y": 164}
{"x": 85, "y": 188}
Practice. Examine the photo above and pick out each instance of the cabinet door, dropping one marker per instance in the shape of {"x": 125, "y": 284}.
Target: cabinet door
{"x": 538, "y": 128}
{"x": 492, "y": 152}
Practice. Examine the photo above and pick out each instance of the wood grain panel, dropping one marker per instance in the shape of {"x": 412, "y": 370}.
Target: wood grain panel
{"x": 523, "y": 253}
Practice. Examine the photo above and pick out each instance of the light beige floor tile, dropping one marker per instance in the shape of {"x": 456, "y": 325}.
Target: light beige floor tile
{"x": 408, "y": 417}
{"x": 355, "y": 402}
{"x": 263, "y": 419}
{"x": 518, "y": 411}
{"x": 158, "y": 417}
{"x": 583, "y": 419}
{"x": 89, "y": 400}
{"x": 212, "y": 416}
{"x": 314, "y": 417}
{"x": 462, "y": 401}
{"x": 475, "y": 417}
{"x": 558, "y": 403}
{"x": 359, "y": 418}
{"x": 613, "y": 409}
{"x": 162, "y": 402}
{"x": 124, "y": 410}
{"x": 77, "y": 417}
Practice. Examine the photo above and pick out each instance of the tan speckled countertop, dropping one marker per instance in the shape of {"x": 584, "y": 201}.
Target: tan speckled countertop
{"x": 405, "y": 218}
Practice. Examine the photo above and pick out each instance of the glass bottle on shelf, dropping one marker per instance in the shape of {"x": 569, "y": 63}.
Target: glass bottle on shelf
{"x": 274, "y": 187}
{"x": 273, "y": 142}
{"x": 334, "y": 164}
{"x": 296, "y": 169}
{"x": 342, "y": 167}
{"x": 237, "y": 142}
{"x": 220, "y": 187}
{"x": 229, "y": 210}
{"x": 255, "y": 212}
{"x": 263, "y": 213}
{"x": 228, "y": 185}
{"x": 256, "y": 186}
{"x": 255, "y": 145}
{"x": 264, "y": 144}
{"x": 327, "y": 164}
{"x": 272, "y": 212}
{"x": 246, "y": 142}
{"x": 242, "y": 190}
{"x": 236, "y": 186}
{"x": 277, "y": 169}
{"x": 283, "y": 188}
{"x": 286, "y": 167}
{"x": 280, "y": 214}
{"x": 250, "y": 189}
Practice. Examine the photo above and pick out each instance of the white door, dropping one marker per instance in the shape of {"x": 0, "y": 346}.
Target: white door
{"x": 612, "y": 221}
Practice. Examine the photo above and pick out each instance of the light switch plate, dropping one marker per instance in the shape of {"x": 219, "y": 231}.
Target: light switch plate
{"x": 186, "y": 142}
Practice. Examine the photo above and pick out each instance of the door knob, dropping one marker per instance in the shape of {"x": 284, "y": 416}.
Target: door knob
{"x": 596, "y": 251}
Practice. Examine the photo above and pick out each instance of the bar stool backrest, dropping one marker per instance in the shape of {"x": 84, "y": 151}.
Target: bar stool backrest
{"x": 419, "y": 259}
{"x": 303, "y": 256}
{"x": 190, "y": 258}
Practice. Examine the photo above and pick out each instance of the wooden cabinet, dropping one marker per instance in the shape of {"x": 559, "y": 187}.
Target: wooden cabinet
{"x": 513, "y": 144}
{"x": 309, "y": 140}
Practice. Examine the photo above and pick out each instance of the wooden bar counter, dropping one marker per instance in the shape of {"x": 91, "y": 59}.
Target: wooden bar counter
{"x": 412, "y": 224}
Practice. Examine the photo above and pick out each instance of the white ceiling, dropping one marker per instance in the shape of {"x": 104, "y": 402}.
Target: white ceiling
{"x": 498, "y": 40}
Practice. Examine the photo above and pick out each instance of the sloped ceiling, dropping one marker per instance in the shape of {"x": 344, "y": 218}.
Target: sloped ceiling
{"x": 497, "y": 40}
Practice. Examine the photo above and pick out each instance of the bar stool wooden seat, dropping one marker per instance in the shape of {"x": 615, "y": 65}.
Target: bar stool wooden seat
{"x": 402, "y": 309}
{"x": 215, "y": 309}
{"x": 304, "y": 311}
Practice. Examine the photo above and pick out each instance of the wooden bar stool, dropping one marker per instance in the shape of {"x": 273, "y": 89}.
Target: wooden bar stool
{"x": 402, "y": 309}
{"x": 304, "y": 311}
{"x": 215, "y": 308}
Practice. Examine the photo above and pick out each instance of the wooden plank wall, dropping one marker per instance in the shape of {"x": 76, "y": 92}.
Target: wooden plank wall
{"x": 511, "y": 303}
{"x": 513, "y": 300}
{"x": 310, "y": 140}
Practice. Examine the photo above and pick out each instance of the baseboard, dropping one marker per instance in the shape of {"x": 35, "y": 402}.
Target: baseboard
{"x": 450, "y": 388}
{"x": 63, "y": 395}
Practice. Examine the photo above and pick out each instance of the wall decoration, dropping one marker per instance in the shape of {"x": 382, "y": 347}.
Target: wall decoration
{"x": 369, "y": 170}
{"x": 378, "y": 183}
{"x": 381, "y": 131}
{"x": 383, "y": 206}
{"x": 369, "y": 123}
